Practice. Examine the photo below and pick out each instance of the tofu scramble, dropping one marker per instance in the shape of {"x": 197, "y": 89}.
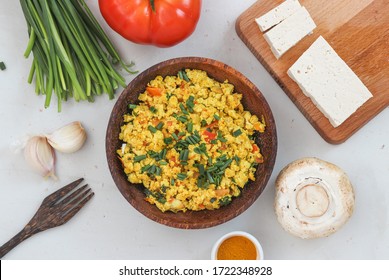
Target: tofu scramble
{"x": 190, "y": 142}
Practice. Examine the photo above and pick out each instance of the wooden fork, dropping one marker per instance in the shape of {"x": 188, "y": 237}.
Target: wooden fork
{"x": 55, "y": 210}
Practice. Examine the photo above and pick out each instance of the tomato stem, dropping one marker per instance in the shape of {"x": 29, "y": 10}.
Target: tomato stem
{"x": 152, "y": 5}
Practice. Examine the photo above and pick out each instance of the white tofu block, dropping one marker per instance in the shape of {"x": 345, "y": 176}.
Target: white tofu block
{"x": 278, "y": 14}
{"x": 289, "y": 32}
{"x": 331, "y": 84}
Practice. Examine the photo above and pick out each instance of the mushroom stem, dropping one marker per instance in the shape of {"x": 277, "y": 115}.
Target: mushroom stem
{"x": 312, "y": 201}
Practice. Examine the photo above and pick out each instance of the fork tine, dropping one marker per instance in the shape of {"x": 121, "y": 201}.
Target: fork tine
{"x": 65, "y": 207}
{"x": 52, "y": 199}
{"x": 70, "y": 214}
{"x": 72, "y": 196}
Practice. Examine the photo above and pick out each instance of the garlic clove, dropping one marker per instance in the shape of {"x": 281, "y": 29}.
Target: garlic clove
{"x": 40, "y": 156}
{"x": 69, "y": 138}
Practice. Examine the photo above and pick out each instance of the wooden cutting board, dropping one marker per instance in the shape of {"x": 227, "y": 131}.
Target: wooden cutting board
{"x": 358, "y": 30}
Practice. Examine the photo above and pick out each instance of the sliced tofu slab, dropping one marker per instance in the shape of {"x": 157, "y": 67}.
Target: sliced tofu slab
{"x": 278, "y": 14}
{"x": 289, "y": 32}
{"x": 331, "y": 84}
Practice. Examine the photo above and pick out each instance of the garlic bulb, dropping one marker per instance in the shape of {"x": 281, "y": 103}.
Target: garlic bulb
{"x": 40, "y": 156}
{"x": 68, "y": 139}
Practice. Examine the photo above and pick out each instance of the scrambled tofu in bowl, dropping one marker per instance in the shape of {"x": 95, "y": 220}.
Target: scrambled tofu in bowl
{"x": 190, "y": 142}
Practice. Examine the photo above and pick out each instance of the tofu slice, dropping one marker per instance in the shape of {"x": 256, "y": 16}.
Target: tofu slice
{"x": 289, "y": 32}
{"x": 331, "y": 84}
{"x": 278, "y": 14}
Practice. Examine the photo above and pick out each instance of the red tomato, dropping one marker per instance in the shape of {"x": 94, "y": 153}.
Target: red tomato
{"x": 154, "y": 91}
{"x": 170, "y": 22}
{"x": 209, "y": 135}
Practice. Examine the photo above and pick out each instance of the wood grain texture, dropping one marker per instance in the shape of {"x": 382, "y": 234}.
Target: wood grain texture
{"x": 359, "y": 33}
{"x": 252, "y": 101}
{"x": 56, "y": 209}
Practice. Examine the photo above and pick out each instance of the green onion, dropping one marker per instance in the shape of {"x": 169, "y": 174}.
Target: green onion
{"x": 212, "y": 168}
{"x": 172, "y": 181}
{"x": 236, "y": 133}
{"x": 201, "y": 169}
{"x": 193, "y": 139}
{"x": 2, "y": 66}
{"x": 162, "y": 162}
{"x": 190, "y": 140}
{"x": 218, "y": 179}
{"x": 222, "y": 158}
{"x": 181, "y": 155}
{"x": 175, "y": 136}
{"x": 164, "y": 188}
{"x": 153, "y": 109}
{"x": 145, "y": 168}
{"x": 152, "y": 129}
{"x": 202, "y": 183}
{"x": 181, "y": 133}
{"x": 220, "y": 137}
{"x": 159, "y": 126}
{"x": 168, "y": 140}
{"x": 152, "y": 169}
{"x": 139, "y": 158}
{"x": 189, "y": 127}
{"x": 182, "y": 75}
{"x": 162, "y": 154}
{"x": 196, "y": 137}
{"x": 185, "y": 76}
{"x": 183, "y": 109}
{"x": 153, "y": 154}
{"x": 226, "y": 164}
{"x": 186, "y": 155}
{"x": 190, "y": 101}
{"x": 225, "y": 201}
{"x": 210, "y": 178}
{"x": 216, "y": 117}
{"x": 181, "y": 176}
{"x": 203, "y": 123}
{"x": 132, "y": 106}
{"x": 73, "y": 57}
{"x": 182, "y": 119}
{"x": 169, "y": 95}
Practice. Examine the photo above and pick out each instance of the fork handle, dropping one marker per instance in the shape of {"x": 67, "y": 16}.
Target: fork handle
{"x": 16, "y": 240}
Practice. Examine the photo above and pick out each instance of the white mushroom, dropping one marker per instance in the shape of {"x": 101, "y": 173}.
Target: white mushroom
{"x": 314, "y": 198}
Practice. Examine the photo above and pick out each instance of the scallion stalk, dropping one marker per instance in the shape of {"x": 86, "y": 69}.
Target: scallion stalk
{"x": 139, "y": 158}
{"x": 73, "y": 57}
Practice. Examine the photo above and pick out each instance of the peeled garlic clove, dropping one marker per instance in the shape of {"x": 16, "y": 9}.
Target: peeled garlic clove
{"x": 69, "y": 138}
{"x": 40, "y": 156}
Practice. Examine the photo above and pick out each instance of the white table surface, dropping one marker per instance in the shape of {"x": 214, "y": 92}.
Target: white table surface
{"x": 110, "y": 228}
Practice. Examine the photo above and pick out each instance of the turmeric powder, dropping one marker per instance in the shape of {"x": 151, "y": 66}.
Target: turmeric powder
{"x": 237, "y": 248}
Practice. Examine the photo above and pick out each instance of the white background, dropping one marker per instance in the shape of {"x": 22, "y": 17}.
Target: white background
{"x": 108, "y": 227}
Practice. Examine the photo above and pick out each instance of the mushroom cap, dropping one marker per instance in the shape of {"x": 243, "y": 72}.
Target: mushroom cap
{"x": 314, "y": 198}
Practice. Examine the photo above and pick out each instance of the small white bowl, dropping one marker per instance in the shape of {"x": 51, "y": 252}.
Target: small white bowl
{"x": 215, "y": 248}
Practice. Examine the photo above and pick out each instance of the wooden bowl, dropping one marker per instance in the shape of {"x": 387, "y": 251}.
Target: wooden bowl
{"x": 252, "y": 100}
